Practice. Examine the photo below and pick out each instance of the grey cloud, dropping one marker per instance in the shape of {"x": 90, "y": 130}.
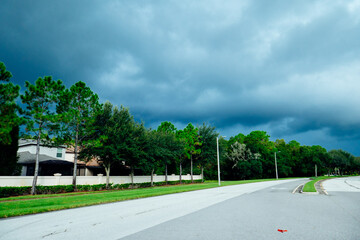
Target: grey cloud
{"x": 288, "y": 68}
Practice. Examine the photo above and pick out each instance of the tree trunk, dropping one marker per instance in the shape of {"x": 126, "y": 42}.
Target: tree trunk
{"x": 191, "y": 170}
{"x": 152, "y": 177}
{"x": 75, "y": 156}
{"x": 180, "y": 173}
{"x": 132, "y": 177}
{"x": 166, "y": 174}
{"x": 36, "y": 172}
{"x": 107, "y": 170}
{"x": 202, "y": 173}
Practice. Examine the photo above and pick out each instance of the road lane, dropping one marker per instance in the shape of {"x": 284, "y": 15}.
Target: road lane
{"x": 347, "y": 184}
{"x": 259, "y": 215}
{"x": 117, "y": 220}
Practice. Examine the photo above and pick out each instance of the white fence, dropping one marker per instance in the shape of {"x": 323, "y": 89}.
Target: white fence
{"x": 19, "y": 181}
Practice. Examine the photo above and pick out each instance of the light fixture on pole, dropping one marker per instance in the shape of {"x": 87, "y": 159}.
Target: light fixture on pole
{"x": 276, "y": 170}
{"x": 218, "y": 158}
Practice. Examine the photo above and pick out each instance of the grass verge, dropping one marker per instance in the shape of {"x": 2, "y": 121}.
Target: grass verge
{"x": 310, "y": 186}
{"x": 17, "y": 206}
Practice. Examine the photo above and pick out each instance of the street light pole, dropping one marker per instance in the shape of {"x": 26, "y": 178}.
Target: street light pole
{"x": 218, "y": 158}
{"x": 276, "y": 167}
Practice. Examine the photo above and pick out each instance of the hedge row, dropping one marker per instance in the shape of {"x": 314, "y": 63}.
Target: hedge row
{"x": 18, "y": 191}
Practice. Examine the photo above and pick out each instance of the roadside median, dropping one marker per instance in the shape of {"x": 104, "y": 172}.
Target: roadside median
{"x": 315, "y": 186}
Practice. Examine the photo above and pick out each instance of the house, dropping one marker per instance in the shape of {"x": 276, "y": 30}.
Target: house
{"x": 53, "y": 160}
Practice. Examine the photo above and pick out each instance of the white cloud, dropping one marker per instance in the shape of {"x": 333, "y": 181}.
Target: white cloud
{"x": 123, "y": 74}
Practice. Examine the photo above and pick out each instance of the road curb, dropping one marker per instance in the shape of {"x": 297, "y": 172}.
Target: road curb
{"x": 298, "y": 189}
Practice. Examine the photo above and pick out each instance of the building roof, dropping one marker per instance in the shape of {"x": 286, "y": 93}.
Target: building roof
{"x": 26, "y": 142}
{"x": 29, "y": 158}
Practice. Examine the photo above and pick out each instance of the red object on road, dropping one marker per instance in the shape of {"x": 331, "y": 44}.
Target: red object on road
{"x": 282, "y": 231}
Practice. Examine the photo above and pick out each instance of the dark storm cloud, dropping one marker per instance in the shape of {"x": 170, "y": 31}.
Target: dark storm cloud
{"x": 291, "y": 69}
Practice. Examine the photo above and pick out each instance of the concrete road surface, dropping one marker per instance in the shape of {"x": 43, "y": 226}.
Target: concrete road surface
{"x": 250, "y": 211}
{"x": 348, "y": 184}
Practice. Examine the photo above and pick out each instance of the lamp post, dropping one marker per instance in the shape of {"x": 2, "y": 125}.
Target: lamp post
{"x": 218, "y": 158}
{"x": 276, "y": 167}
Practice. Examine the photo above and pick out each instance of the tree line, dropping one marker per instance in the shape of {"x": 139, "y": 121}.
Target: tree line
{"x": 108, "y": 134}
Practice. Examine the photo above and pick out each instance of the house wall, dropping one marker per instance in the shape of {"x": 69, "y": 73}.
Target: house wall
{"x": 69, "y": 157}
{"x": 52, "y": 152}
{"x": 18, "y": 181}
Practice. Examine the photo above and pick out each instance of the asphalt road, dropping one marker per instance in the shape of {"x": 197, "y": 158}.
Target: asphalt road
{"x": 259, "y": 215}
{"x": 251, "y": 211}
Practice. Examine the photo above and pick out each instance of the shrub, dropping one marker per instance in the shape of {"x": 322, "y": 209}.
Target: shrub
{"x": 14, "y": 191}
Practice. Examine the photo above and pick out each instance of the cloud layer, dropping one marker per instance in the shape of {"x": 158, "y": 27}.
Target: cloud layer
{"x": 291, "y": 69}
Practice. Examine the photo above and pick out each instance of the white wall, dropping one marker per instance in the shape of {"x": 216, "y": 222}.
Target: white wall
{"x": 18, "y": 181}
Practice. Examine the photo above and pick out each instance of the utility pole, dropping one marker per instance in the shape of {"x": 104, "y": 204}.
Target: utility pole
{"x": 218, "y": 159}
{"x": 276, "y": 168}
{"x": 315, "y": 170}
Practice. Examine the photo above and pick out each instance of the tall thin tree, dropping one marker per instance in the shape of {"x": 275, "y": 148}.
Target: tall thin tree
{"x": 78, "y": 108}
{"x": 40, "y": 100}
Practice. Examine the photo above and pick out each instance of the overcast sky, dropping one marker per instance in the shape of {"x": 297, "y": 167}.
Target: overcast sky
{"x": 291, "y": 68}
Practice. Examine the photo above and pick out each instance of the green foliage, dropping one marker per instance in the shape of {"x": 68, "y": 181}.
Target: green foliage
{"x": 78, "y": 108}
{"x": 120, "y": 139}
{"x": 113, "y": 130}
{"x": 207, "y": 157}
{"x": 191, "y": 139}
{"x": 41, "y": 100}
{"x": 162, "y": 149}
{"x": 310, "y": 186}
{"x": 9, "y": 109}
{"x": 167, "y": 127}
{"x": 18, "y": 191}
{"x": 8, "y": 155}
{"x": 14, "y": 191}
{"x": 342, "y": 162}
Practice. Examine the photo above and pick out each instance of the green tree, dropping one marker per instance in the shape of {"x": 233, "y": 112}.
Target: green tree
{"x": 9, "y": 123}
{"x": 167, "y": 127}
{"x": 103, "y": 150}
{"x": 136, "y": 150}
{"x": 192, "y": 144}
{"x": 78, "y": 107}
{"x": 245, "y": 163}
{"x": 341, "y": 161}
{"x": 8, "y": 155}
{"x": 169, "y": 144}
{"x": 153, "y": 151}
{"x": 258, "y": 142}
{"x": 283, "y": 157}
{"x": 9, "y": 109}
{"x": 207, "y": 156}
{"x": 41, "y": 100}
{"x": 238, "y": 138}
{"x": 121, "y": 139}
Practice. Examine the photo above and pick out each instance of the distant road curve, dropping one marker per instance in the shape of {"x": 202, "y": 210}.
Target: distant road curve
{"x": 347, "y": 184}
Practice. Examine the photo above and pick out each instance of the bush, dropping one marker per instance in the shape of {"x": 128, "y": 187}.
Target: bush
{"x": 14, "y": 191}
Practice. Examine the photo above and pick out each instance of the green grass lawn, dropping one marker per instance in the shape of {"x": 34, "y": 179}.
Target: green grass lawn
{"x": 17, "y": 206}
{"x": 310, "y": 186}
